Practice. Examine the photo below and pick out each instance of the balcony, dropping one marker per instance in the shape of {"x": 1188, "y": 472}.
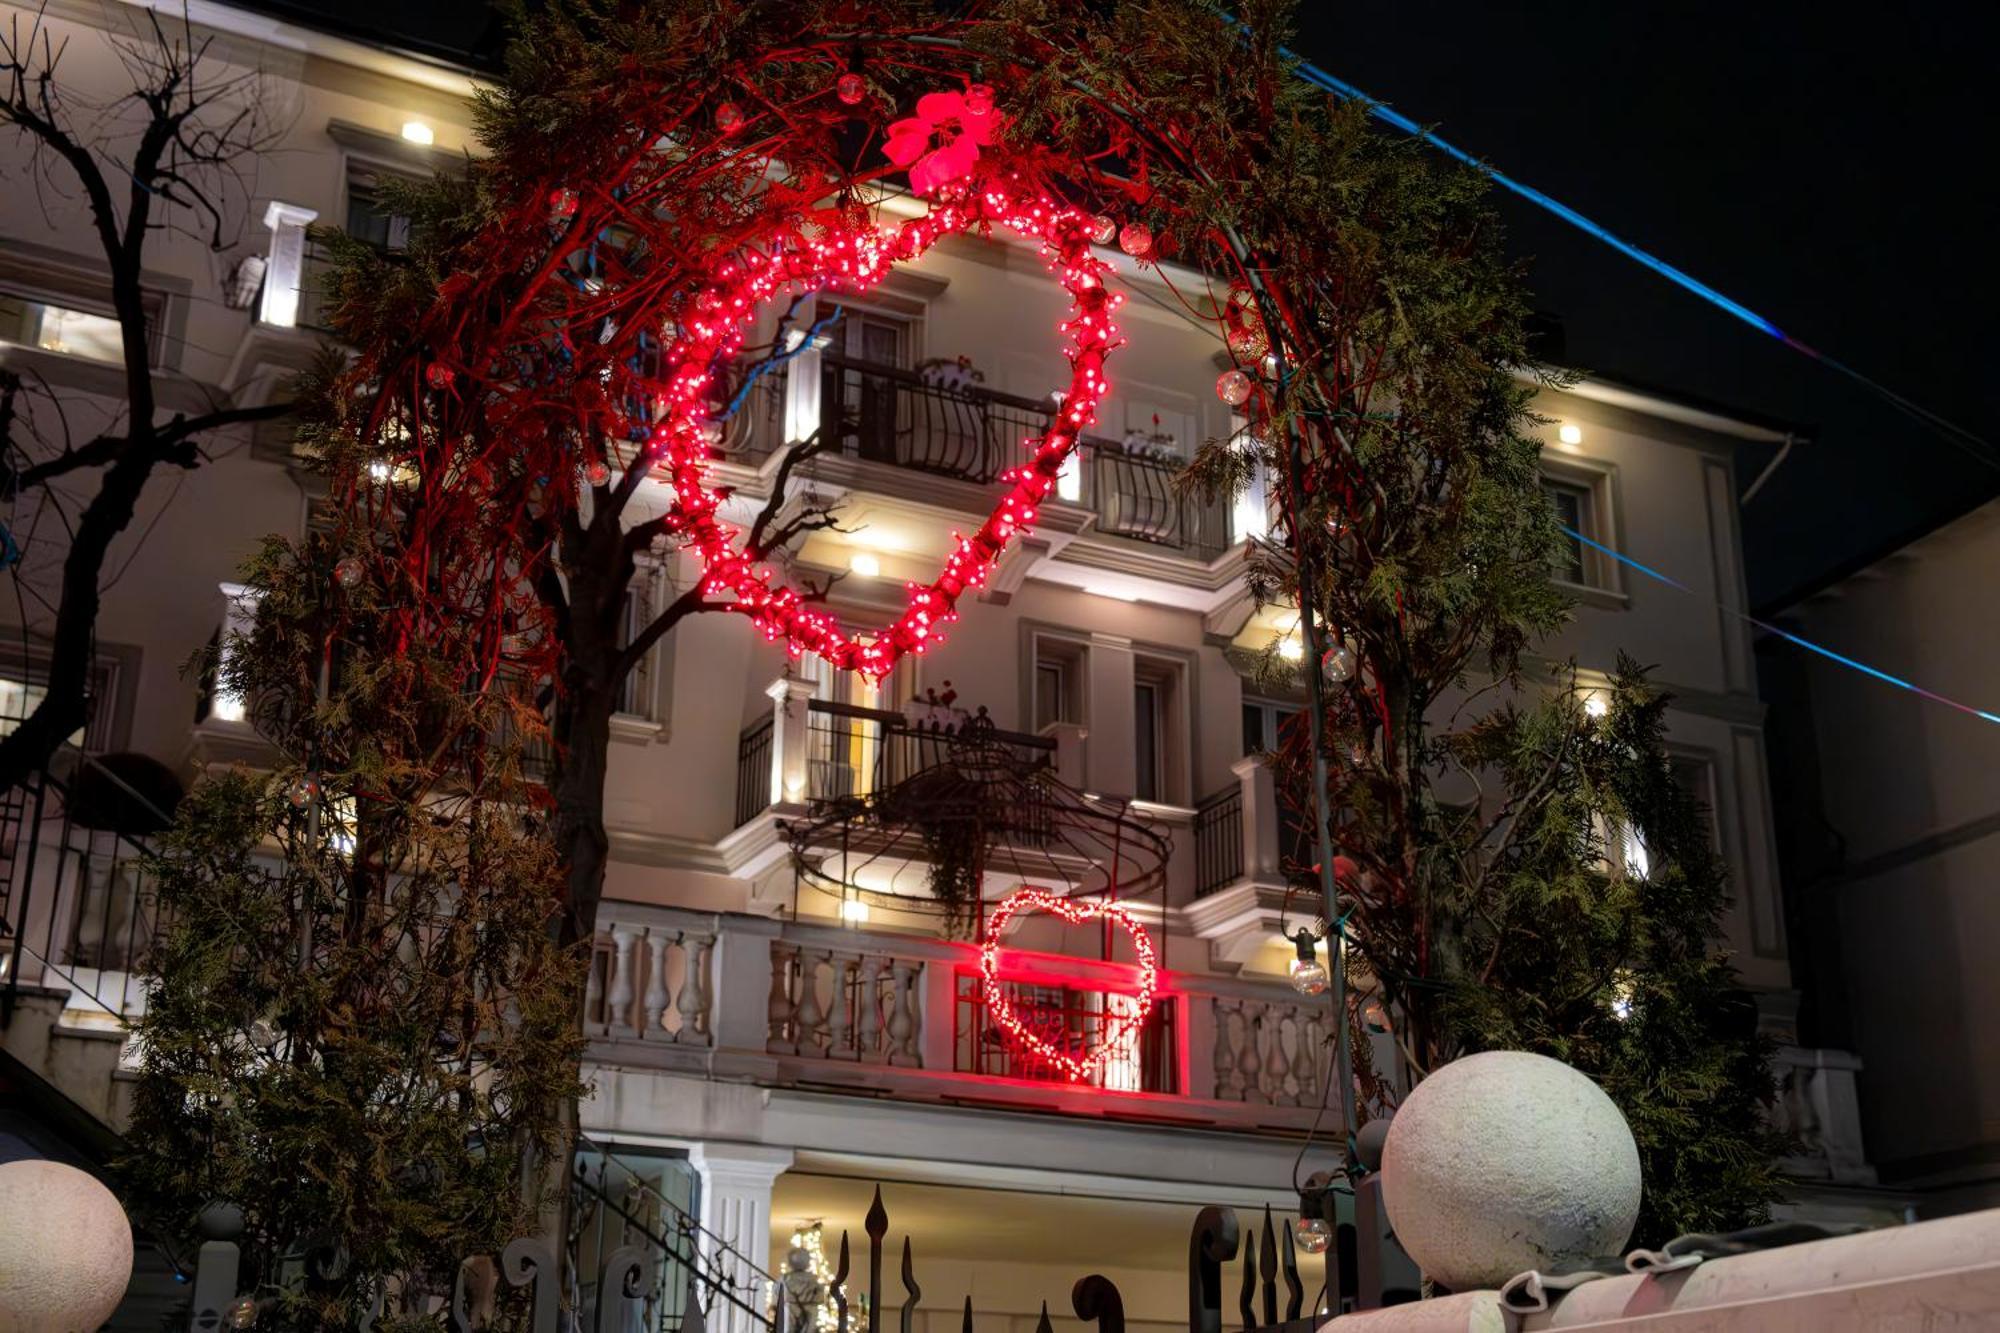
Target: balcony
{"x": 900, "y": 418}
{"x": 827, "y": 751}
{"x": 797, "y": 1004}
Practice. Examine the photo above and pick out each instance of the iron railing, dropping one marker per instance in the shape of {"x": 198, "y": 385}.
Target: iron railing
{"x": 855, "y": 751}
{"x": 886, "y": 414}
{"x": 1218, "y": 840}
{"x": 753, "y": 770}
{"x": 1075, "y": 1020}
{"x": 614, "y": 1207}
{"x": 77, "y": 905}
{"x": 852, "y": 751}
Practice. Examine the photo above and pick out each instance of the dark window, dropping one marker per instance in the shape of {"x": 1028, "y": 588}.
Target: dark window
{"x": 1572, "y": 506}
{"x": 369, "y": 218}
{"x": 1146, "y": 726}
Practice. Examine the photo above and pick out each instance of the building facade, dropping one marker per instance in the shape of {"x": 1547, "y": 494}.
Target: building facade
{"x": 1890, "y": 851}
{"x": 766, "y": 1044}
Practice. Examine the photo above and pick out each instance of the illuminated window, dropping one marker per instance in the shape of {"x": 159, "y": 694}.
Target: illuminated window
{"x": 54, "y": 328}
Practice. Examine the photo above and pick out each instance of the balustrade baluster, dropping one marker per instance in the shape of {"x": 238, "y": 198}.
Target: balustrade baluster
{"x": 868, "y": 1024}
{"x": 1312, "y": 1058}
{"x": 1278, "y": 1069}
{"x": 693, "y": 998}
{"x": 656, "y": 983}
{"x": 1249, "y": 1062}
{"x": 1224, "y": 1056}
{"x": 593, "y": 988}
{"x": 839, "y": 1032}
{"x": 618, "y": 1002}
{"x": 811, "y": 1018}
{"x": 782, "y": 1010}
{"x": 902, "y": 1013}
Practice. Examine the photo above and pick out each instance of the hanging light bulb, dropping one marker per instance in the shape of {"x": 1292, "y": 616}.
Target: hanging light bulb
{"x": 1314, "y": 1235}
{"x": 348, "y": 572}
{"x": 728, "y": 117}
{"x": 850, "y": 88}
{"x": 1337, "y": 664}
{"x": 978, "y": 100}
{"x": 1308, "y": 973}
{"x": 302, "y": 792}
{"x": 1247, "y": 342}
{"x": 597, "y": 472}
{"x": 1233, "y": 387}
{"x": 1103, "y": 229}
{"x": 1136, "y": 239}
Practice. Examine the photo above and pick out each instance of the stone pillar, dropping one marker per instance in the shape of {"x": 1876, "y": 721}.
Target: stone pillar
{"x": 1262, "y": 859}
{"x": 285, "y": 268}
{"x": 736, "y": 1180}
{"x": 790, "y": 777}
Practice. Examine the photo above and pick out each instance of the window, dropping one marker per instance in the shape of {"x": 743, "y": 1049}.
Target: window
{"x": 54, "y": 328}
{"x": 1149, "y": 725}
{"x": 1262, "y": 721}
{"x": 1159, "y": 730}
{"x": 24, "y": 684}
{"x": 1572, "y": 505}
{"x": 368, "y": 216}
{"x": 1696, "y": 776}
{"x": 639, "y": 694}
{"x": 1058, "y": 682}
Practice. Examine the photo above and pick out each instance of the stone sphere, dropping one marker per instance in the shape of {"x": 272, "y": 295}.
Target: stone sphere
{"x": 1506, "y": 1161}
{"x": 65, "y": 1249}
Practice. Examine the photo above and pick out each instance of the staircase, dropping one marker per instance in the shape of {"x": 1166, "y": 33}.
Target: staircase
{"x": 76, "y": 918}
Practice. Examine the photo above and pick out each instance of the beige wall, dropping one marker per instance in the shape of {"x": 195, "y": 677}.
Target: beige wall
{"x": 1912, "y": 788}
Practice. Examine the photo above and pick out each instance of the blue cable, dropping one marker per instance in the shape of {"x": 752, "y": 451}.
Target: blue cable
{"x": 1958, "y": 436}
{"x": 1785, "y": 634}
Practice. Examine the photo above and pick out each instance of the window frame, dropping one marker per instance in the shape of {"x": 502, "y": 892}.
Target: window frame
{"x": 1597, "y": 480}
{"x": 1170, "y": 678}
{"x": 649, "y": 687}
{"x": 1069, "y": 658}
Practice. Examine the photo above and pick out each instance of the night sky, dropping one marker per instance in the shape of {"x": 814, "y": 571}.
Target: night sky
{"x": 1831, "y": 173}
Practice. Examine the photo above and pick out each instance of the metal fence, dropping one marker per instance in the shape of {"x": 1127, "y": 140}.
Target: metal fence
{"x": 753, "y": 770}
{"x": 1075, "y": 1020}
{"x": 77, "y": 905}
{"x": 1218, "y": 840}
{"x": 852, "y": 751}
{"x": 886, "y": 414}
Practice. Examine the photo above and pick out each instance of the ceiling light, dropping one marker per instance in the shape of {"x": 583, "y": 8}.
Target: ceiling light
{"x": 418, "y": 133}
{"x": 854, "y": 910}
{"x": 865, "y": 564}
{"x": 1569, "y": 434}
{"x": 1596, "y": 704}
{"x": 1291, "y": 649}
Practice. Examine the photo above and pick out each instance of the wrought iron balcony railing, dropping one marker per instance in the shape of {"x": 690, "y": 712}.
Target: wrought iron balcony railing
{"x": 885, "y": 414}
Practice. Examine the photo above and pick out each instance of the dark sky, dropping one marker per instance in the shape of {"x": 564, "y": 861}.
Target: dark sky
{"x": 1829, "y": 166}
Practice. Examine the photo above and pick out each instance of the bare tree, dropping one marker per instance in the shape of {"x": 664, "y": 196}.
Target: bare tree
{"x": 169, "y": 155}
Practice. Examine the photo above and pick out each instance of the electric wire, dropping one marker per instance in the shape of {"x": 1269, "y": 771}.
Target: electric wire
{"x": 1969, "y": 442}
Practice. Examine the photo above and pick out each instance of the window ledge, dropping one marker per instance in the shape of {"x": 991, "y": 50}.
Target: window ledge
{"x": 632, "y": 728}
{"x": 1604, "y": 599}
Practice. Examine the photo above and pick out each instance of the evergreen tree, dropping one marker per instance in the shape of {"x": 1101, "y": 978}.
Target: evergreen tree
{"x": 358, "y": 1022}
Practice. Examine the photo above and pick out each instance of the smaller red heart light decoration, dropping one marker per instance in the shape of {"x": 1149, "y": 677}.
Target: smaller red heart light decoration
{"x": 1118, "y": 1028}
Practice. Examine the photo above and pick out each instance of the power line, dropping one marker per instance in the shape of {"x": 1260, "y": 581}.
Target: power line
{"x": 1966, "y": 441}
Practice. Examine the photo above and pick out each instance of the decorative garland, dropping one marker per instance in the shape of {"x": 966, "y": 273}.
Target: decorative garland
{"x": 854, "y": 256}
{"x": 1118, "y": 1028}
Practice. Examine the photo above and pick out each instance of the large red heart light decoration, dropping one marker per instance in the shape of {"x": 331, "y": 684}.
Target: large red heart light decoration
{"x": 1119, "y": 1029}
{"x": 836, "y": 252}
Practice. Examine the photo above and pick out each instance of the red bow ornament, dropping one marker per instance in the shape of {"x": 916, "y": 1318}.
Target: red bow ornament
{"x": 960, "y": 123}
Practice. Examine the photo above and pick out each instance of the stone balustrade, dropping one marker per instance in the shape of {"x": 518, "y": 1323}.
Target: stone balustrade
{"x": 801, "y": 1003}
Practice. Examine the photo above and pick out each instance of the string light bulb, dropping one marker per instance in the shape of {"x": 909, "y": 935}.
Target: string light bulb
{"x": 850, "y": 88}
{"x": 1233, "y": 387}
{"x": 1314, "y": 1235}
{"x": 1308, "y": 973}
{"x": 1136, "y": 239}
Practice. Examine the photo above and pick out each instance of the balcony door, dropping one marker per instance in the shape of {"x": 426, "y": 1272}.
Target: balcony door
{"x": 872, "y": 347}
